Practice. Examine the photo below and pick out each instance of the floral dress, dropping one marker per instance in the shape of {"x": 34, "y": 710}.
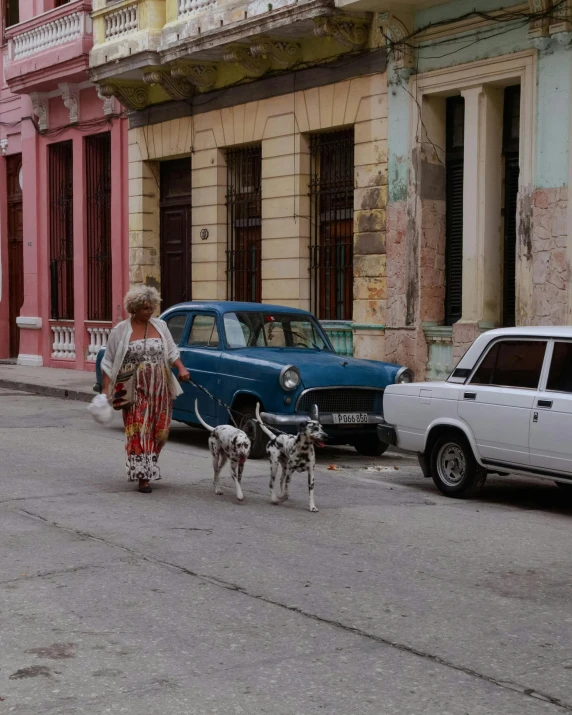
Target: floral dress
{"x": 148, "y": 419}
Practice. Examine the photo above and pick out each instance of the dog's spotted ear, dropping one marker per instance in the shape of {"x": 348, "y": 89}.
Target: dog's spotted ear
{"x": 302, "y": 426}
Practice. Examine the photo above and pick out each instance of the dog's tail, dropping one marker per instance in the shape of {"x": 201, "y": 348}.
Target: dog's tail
{"x": 263, "y": 427}
{"x": 204, "y": 424}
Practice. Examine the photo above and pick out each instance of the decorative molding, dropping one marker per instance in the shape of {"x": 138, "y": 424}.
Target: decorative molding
{"x": 282, "y": 52}
{"x": 348, "y": 31}
{"x": 539, "y": 27}
{"x": 253, "y": 65}
{"x": 134, "y": 97}
{"x": 70, "y": 96}
{"x": 31, "y": 323}
{"x": 4, "y": 146}
{"x": 396, "y": 32}
{"x": 560, "y": 19}
{"x": 201, "y": 74}
{"x": 176, "y": 87}
{"x": 108, "y": 103}
{"x": 41, "y": 108}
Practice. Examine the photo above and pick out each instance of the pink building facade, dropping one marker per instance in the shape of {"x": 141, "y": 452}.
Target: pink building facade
{"x": 63, "y": 190}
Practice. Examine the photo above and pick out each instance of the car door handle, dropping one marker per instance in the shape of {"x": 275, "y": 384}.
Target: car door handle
{"x": 544, "y": 403}
{"x": 470, "y": 396}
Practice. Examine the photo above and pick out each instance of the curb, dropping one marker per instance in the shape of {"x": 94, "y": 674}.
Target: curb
{"x": 63, "y": 393}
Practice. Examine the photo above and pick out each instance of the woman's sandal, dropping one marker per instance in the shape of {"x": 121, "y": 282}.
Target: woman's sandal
{"x": 146, "y": 489}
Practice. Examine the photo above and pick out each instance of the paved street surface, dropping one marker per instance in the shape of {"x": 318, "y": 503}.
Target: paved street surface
{"x": 392, "y": 599}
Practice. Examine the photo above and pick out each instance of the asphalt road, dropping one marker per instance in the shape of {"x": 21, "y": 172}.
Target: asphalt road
{"x": 392, "y": 599}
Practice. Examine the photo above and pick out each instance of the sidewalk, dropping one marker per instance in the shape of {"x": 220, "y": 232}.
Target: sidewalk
{"x": 53, "y": 382}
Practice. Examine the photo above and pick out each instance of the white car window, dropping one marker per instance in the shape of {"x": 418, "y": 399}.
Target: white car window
{"x": 512, "y": 363}
{"x": 560, "y": 375}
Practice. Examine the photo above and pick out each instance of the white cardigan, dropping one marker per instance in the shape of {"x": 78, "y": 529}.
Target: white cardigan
{"x": 118, "y": 343}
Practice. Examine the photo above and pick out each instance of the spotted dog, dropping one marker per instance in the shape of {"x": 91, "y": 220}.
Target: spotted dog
{"x": 293, "y": 454}
{"x": 227, "y": 442}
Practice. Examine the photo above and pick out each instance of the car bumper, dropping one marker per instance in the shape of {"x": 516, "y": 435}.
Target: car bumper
{"x": 325, "y": 418}
{"x": 387, "y": 433}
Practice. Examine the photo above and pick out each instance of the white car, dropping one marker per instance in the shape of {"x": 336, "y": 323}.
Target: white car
{"x": 506, "y": 408}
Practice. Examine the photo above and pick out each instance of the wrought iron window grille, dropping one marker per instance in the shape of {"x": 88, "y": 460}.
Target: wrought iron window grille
{"x": 244, "y": 224}
{"x": 331, "y": 224}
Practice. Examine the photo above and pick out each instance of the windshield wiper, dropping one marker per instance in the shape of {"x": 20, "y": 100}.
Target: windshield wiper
{"x": 307, "y": 339}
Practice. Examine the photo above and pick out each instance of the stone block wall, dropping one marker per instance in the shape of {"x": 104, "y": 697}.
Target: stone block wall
{"x": 282, "y": 125}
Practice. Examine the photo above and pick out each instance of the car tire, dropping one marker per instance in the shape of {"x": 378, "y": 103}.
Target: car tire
{"x": 565, "y": 487}
{"x": 370, "y": 447}
{"x": 454, "y": 468}
{"x": 245, "y": 417}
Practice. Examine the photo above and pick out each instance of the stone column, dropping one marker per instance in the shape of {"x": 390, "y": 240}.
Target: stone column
{"x": 209, "y": 215}
{"x": 482, "y": 191}
{"x": 32, "y": 314}
{"x": 144, "y": 253}
{"x": 370, "y": 201}
{"x": 119, "y": 225}
{"x": 285, "y": 215}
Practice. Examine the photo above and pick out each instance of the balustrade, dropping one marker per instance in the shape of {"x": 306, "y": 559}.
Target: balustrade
{"x": 191, "y": 7}
{"x": 121, "y": 22}
{"x": 98, "y": 336}
{"x": 57, "y": 32}
{"x": 63, "y": 346}
{"x": 341, "y": 335}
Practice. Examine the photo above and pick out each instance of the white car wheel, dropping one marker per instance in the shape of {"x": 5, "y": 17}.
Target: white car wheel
{"x": 453, "y": 466}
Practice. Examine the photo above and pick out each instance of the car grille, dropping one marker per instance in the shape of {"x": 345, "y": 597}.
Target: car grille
{"x": 341, "y": 400}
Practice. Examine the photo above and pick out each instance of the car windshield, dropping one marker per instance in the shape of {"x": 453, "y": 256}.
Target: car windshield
{"x": 272, "y": 330}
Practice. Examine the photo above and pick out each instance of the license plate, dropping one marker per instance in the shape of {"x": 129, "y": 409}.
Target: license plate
{"x": 350, "y": 418}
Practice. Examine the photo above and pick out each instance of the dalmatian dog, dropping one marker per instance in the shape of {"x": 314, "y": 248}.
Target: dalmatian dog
{"x": 227, "y": 442}
{"x": 292, "y": 454}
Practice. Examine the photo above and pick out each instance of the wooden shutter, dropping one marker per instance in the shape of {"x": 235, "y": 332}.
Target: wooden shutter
{"x": 454, "y": 208}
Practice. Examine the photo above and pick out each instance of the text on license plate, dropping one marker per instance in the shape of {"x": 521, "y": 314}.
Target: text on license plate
{"x": 350, "y": 418}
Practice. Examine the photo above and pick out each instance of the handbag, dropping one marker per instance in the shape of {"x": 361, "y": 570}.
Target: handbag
{"x": 126, "y": 383}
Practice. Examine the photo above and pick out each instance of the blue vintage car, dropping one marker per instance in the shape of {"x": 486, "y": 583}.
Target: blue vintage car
{"x": 246, "y": 353}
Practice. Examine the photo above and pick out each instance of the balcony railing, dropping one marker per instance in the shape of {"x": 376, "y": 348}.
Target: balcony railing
{"x": 341, "y": 335}
{"x": 121, "y": 22}
{"x": 186, "y": 8}
{"x": 60, "y": 26}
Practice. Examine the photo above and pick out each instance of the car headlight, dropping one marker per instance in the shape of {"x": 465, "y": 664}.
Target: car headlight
{"x": 289, "y": 378}
{"x": 404, "y": 376}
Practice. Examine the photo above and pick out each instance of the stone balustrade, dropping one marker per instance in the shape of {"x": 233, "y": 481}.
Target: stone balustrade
{"x": 63, "y": 346}
{"x": 51, "y": 34}
{"x": 186, "y": 8}
{"x": 340, "y": 333}
{"x": 121, "y": 22}
{"x": 98, "y": 335}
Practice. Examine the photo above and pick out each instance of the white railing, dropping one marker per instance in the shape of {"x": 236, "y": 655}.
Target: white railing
{"x": 121, "y": 22}
{"x": 190, "y": 7}
{"x": 58, "y": 32}
{"x": 63, "y": 347}
{"x": 97, "y": 339}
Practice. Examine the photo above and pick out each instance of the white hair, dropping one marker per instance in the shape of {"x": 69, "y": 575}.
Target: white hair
{"x": 139, "y": 296}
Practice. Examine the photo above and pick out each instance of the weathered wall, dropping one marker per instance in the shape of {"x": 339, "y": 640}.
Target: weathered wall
{"x": 281, "y": 124}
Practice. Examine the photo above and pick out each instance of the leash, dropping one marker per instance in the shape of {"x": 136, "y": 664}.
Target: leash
{"x": 226, "y": 407}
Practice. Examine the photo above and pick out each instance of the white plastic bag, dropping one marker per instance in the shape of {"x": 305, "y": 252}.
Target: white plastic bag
{"x": 100, "y": 409}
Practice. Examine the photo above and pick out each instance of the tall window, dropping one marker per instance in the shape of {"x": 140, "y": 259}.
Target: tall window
{"x": 98, "y": 228}
{"x": 244, "y": 224}
{"x": 60, "y": 168}
{"x": 454, "y": 164}
{"x": 59, "y": 3}
{"x": 11, "y": 12}
{"x": 511, "y": 136}
{"x": 332, "y": 219}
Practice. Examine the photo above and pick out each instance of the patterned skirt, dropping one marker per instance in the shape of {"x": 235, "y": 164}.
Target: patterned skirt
{"x": 148, "y": 420}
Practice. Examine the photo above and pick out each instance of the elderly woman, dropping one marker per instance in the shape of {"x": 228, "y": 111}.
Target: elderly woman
{"x": 143, "y": 346}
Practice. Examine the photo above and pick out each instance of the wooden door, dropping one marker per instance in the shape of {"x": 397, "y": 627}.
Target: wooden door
{"x": 15, "y": 248}
{"x": 175, "y": 237}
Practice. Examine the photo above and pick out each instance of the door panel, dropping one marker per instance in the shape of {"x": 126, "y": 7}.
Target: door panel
{"x": 201, "y": 355}
{"x": 15, "y": 249}
{"x": 551, "y": 419}
{"x": 176, "y": 227}
{"x": 499, "y": 419}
